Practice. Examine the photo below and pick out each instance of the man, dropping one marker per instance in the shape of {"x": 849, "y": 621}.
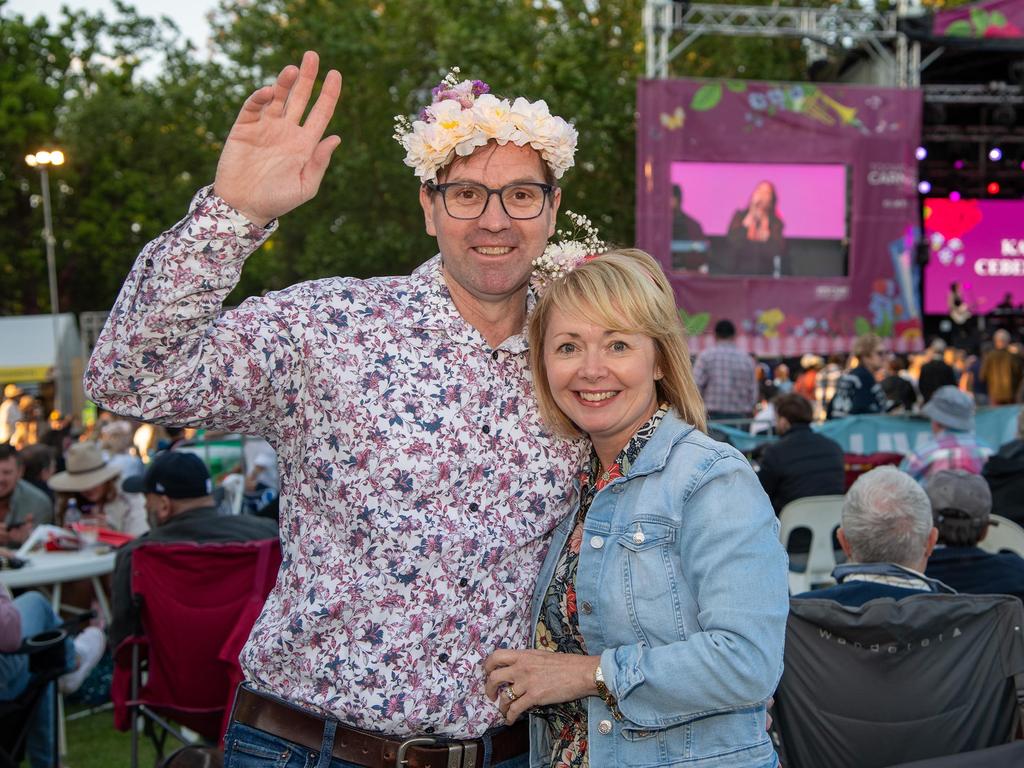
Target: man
{"x": 180, "y": 507}
{"x": 1001, "y": 370}
{"x": 38, "y": 465}
{"x": 803, "y": 463}
{"x": 961, "y": 505}
{"x": 887, "y": 535}
{"x": 418, "y": 486}
{"x": 858, "y": 390}
{"x": 953, "y": 444}
{"x": 690, "y": 248}
{"x": 10, "y": 413}
{"x": 726, "y": 377}
{"x": 935, "y": 372}
{"x": 22, "y": 505}
{"x": 1004, "y": 473}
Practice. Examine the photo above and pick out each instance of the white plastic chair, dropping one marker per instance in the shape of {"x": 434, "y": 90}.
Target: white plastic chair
{"x": 821, "y": 516}
{"x": 234, "y": 492}
{"x": 1003, "y": 536}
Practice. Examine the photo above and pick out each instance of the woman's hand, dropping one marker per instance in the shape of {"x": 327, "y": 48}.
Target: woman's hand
{"x": 520, "y": 680}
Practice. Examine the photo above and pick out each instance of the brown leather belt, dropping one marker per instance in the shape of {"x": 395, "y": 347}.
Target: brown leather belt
{"x": 372, "y": 750}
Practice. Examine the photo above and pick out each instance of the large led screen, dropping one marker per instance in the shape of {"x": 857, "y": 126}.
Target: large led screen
{"x": 978, "y": 244}
{"x": 778, "y": 219}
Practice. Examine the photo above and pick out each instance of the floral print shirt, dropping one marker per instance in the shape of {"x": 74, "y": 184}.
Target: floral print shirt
{"x": 558, "y": 628}
{"x": 418, "y": 486}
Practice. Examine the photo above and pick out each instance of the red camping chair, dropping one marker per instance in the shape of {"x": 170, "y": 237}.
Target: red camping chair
{"x": 856, "y": 464}
{"x": 197, "y": 604}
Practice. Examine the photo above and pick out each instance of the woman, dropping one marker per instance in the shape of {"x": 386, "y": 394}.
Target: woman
{"x": 95, "y": 485}
{"x": 661, "y": 608}
{"x": 755, "y": 237}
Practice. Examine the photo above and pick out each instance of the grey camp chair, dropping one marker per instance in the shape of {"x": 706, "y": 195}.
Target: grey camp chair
{"x": 895, "y": 681}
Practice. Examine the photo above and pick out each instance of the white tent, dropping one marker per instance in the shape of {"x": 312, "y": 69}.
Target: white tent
{"x": 29, "y": 353}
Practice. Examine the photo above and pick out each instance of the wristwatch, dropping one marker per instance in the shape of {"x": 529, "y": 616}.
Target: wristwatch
{"x": 607, "y": 696}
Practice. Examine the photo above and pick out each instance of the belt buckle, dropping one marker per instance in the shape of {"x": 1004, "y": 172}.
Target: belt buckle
{"x": 415, "y": 741}
{"x": 460, "y": 754}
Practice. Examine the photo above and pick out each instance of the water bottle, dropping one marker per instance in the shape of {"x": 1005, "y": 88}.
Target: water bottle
{"x": 71, "y": 513}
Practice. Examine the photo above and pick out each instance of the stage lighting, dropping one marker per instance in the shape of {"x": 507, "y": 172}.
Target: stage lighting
{"x": 921, "y": 153}
{"x": 958, "y": 164}
{"x": 995, "y": 154}
{"x": 993, "y": 187}
{"x": 954, "y": 195}
{"x": 924, "y": 187}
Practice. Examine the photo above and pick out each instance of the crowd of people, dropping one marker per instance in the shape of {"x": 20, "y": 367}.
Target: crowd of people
{"x": 501, "y": 499}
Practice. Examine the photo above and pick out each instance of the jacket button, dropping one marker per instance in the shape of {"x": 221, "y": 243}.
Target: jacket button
{"x": 639, "y": 538}
{"x": 596, "y": 542}
{"x": 586, "y": 607}
{"x": 618, "y": 488}
{"x": 604, "y": 727}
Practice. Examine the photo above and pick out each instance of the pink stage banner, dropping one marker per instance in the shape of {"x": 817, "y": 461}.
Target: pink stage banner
{"x": 789, "y": 208}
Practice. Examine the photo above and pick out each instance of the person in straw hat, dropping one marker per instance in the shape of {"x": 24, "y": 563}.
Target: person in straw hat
{"x": 10, "y": 414}
{"x": 94, "y": 484}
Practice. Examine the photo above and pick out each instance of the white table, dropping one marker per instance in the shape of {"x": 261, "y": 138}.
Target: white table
{"x": 52, "y": 569}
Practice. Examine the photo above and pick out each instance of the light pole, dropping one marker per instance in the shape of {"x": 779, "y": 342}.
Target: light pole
{"x": 42, "y": 160}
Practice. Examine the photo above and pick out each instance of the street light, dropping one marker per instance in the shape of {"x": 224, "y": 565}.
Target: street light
{"x": 42, "y": 160}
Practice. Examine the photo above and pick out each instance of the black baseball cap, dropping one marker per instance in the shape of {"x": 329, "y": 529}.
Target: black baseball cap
{"x": 177, "y": 474}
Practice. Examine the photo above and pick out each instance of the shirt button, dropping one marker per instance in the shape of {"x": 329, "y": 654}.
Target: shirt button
{"x": 487, "y": 429}
{"x": 442, "y": 657}
{"x": 494, "y": 355}
{"x": 604, "y": 727}
{"x": 463, "y": 581}
{"x": 596, "y": 542}
{"x": 586, "y": 607}
{"x": 473, "y": 506}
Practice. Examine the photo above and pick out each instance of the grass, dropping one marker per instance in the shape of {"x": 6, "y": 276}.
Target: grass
{"x": 93, "y": 743}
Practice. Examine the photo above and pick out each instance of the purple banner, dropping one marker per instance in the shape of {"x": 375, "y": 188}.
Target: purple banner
{"x": 978, "y": 244}
{"x": 788, "y": 208}
{"x": 989, "y": 20}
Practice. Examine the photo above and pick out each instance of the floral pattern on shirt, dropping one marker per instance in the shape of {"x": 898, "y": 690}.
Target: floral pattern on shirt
{"x": 418, "y": 486}
{"x": 558, "y": 628}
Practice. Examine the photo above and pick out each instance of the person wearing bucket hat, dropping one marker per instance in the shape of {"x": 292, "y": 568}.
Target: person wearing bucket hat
{"x": 93, "y": 483}
{"x": 180, "y": 506}
{"x": 961, "y": 507}
{"x": 953, "y": 444}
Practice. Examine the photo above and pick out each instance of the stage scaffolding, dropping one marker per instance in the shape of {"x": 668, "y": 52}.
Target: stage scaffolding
{"x": 672, "y": 27}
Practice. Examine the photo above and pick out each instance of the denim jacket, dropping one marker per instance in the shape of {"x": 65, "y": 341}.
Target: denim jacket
{"x": 682, "y": 589}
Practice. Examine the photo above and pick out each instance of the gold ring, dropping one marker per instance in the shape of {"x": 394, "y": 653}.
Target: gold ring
{"x": 510, "y": 693}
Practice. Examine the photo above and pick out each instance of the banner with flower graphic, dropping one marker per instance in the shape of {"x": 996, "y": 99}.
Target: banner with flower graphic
{"x": 982, "y": 24}
{"x": 788, "y": 208}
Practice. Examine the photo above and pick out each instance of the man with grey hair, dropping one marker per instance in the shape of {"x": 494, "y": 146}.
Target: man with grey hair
{"x": 887, "y": 535}
{"x": 961, "y": 507}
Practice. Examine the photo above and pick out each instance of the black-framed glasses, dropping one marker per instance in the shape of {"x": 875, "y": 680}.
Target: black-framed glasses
{"x": 468, "y": 200}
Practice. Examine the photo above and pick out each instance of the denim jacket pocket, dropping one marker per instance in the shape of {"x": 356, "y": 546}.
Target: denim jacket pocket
{"x": 647, "y": 551}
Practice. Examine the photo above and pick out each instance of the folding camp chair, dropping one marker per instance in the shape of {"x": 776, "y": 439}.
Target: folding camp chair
{"x": 47, "y": 660}
{"x": 899, "y": 680}
{"x": 197, "y": 604}
{"x": 820, "y": 515}
{"x": 1003, "y": 536}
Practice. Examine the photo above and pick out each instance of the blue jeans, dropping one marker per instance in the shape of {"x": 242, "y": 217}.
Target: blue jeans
{"x": 36, "y": 616}
{"x": 246, "y": 747}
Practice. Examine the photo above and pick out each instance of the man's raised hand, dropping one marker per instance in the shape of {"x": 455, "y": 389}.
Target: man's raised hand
{"x": 271, "y": 163}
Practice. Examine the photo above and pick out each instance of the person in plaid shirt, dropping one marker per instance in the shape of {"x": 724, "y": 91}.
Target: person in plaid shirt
{"x": 725, "y": 377}
{"x": 953, "y": 444}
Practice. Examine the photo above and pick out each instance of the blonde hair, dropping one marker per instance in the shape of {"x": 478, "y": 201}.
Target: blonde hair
{"x": 865, "y": 344}
{"x": 622, "y": 290}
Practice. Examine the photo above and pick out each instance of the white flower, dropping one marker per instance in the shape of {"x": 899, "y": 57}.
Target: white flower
{"x": 493, "y": 117}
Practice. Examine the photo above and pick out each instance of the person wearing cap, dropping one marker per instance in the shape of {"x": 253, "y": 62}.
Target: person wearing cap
{"x": 10, "y": 413}
{"x": 95, "y": 486}
{"x": 953, "y": 444}
{"x": 180, "y": 507}
{"x": 419, "y": 488}
{"x": 22, "y": 505}
{"x": 888, "y": 535}
{"x": 961, "y": 506}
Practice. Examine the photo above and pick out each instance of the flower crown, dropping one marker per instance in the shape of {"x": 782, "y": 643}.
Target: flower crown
{"x": 576, "y": 246}
{"x": 465, "y": 115}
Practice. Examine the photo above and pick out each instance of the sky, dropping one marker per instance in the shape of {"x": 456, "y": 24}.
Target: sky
{"x": 189, "y": 15}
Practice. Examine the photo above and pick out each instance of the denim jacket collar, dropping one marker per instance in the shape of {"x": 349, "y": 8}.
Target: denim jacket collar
{"x": 655, "y": 454}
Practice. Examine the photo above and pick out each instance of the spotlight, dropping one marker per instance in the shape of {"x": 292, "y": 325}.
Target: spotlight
{"x": 995, "y": 154}
{"x": 924, "y": 187}
{"x": 921, "y": 153}
{"x": 954, "y": 196}
{"x": 958, "y": 164}
{"x": 993, "y": 187}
